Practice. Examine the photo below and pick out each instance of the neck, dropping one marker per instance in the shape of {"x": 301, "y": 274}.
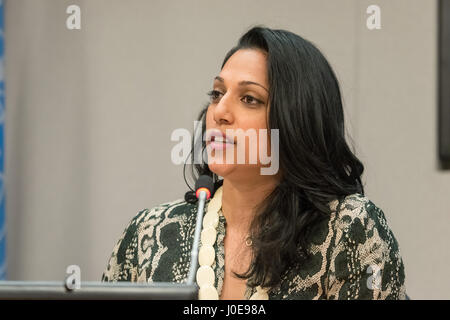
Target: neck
{"x": 240, "y": 199}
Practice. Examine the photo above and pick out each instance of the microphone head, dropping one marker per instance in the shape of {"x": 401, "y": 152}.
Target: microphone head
{"x": 204, "y": 183}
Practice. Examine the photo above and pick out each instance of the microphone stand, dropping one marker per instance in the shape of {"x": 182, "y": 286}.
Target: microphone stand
{"x": 198, "y": 228}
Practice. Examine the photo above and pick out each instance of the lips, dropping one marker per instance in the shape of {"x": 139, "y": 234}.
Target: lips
{"x": 218, "y": 136}
{"x": 218, "y": 140}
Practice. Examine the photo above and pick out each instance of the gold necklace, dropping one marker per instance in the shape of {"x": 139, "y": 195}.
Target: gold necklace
{"x": 205, "y": 274}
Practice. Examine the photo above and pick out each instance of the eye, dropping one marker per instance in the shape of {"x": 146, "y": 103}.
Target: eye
{"x": 250, "y": 100}
{"x": 214, "y": 95}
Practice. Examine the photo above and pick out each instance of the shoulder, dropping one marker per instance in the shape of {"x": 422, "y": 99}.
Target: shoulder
{"x": 365, "y": 256}
{"x": 176, "y": 209}
{"x": 166, "y": 220}
{"x": 353, "y": 208}
{"x": 358, "y": 218}
{"x": 148, "y": 227}
{"x": 162, "y": 221}
{"x": 354, "y": 220}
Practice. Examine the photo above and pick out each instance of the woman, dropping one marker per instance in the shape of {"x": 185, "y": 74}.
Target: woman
{"x": 305, "y": 231}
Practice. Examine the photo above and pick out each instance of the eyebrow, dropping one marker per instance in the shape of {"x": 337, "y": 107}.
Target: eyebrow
{"x": 242, "y": 83}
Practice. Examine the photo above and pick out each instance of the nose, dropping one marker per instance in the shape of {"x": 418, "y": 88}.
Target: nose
{"x": 223, "y": 111}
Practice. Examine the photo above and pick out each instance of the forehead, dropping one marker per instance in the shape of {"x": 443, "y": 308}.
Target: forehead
{"x": 246, "y": 64}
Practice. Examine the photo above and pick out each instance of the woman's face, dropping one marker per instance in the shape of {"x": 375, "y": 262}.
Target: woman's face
{"x": 239, "y": 100}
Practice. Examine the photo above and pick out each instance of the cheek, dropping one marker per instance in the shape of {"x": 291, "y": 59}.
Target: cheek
{"x": 252, "y": 119}
{"x": 260, "y": 144}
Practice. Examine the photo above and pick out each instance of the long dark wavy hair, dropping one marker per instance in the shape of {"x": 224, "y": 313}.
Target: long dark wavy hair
{"x": 316, "y": 162}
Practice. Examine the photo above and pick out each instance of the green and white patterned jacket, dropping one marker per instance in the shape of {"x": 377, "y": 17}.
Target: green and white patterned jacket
{"x": 354, "y": 253}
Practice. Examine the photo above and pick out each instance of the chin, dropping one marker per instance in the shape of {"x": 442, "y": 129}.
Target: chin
{"x": 222, "y": 170}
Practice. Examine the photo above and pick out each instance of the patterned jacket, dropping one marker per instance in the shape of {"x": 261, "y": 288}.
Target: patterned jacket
{"x": 354, "y": 254}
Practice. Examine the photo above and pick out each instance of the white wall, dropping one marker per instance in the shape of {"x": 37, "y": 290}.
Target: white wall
{"x": 397, "y": 129}
{"x": 90, "y": 113}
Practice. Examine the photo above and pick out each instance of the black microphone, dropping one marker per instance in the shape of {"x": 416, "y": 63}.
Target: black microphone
{"x": 204, "y": 189}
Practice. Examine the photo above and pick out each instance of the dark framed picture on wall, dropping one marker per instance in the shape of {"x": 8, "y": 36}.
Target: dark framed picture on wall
{"x": 444, "y": 83}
